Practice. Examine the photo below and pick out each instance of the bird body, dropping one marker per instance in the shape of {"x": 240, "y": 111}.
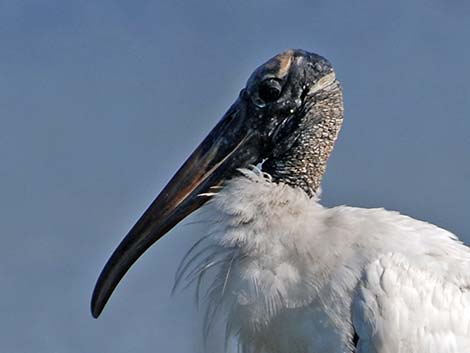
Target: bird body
{"x": 282, "y": 273}
{"x": 296, "y": 277}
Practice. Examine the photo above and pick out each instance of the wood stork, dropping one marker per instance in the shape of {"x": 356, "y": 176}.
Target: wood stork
{"x": 292, "y": 276}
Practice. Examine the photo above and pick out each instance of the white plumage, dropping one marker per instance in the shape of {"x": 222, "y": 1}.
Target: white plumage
{"x": 295, "y": 277}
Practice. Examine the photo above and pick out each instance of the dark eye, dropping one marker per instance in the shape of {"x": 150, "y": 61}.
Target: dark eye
{"x": 269, "y": 90}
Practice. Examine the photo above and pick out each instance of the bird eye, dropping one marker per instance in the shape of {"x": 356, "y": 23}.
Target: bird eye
{"x": 269, "y": 90}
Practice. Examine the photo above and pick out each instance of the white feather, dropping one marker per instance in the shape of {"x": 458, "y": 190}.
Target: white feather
{"x": 292, "y": 276}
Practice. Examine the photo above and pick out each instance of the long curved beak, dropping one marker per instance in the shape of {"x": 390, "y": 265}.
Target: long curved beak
{"x": 230, "y": 145}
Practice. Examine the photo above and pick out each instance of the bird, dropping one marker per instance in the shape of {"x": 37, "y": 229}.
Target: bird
{"x": 279, "y": 272}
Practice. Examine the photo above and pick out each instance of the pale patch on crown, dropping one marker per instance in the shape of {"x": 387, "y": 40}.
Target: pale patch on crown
{"x": 282, "y": 62}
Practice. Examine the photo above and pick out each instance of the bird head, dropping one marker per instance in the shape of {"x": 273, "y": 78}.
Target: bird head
{"x": 287, "y": 117}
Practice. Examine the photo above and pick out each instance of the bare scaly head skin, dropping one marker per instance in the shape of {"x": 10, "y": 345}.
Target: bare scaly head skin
{"x": 306, "y": 117}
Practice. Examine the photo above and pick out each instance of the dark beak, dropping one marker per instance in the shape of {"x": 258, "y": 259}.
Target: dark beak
{"x": 230, "y": 145}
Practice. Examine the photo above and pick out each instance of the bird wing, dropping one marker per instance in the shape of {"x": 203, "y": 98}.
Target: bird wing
{"x": 402, "y": 306}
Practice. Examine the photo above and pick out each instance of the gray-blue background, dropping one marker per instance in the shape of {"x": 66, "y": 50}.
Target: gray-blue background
{"x": 101, "y": 101}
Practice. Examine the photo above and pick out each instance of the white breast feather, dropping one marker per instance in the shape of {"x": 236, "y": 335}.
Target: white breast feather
{"x": 287, "y": 272}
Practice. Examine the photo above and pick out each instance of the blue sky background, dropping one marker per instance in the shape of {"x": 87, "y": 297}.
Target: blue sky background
{"x": 101, "y": 101}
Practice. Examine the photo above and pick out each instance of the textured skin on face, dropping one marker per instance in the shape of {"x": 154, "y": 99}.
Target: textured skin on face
{"x": 304, "y": 164}
{"x": 300, "y": 127}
